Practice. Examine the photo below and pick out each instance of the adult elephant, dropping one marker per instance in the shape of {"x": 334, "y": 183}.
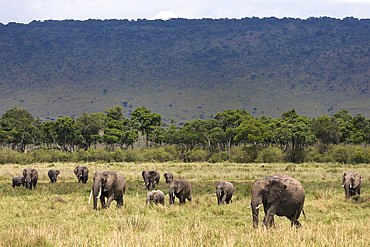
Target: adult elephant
{"x": 155, "y": 196}
{"x": 224, "y": 192}
{"x": 281, "y": 195}
{"x": 352, "y": 183}
{"x": 31, "y": 175}
{"x": 168, "y": 176}
{"x": 53, "y": 174}
{"x": 17, "y": 181}
{"x": 151, "y": 179}
{"x": 180, "y": 188}
{"x": 108, "y": 184}
{"x": 82, "y": 173}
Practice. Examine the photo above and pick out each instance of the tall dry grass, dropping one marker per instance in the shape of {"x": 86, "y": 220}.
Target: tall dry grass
{"x": 59, "y": 214}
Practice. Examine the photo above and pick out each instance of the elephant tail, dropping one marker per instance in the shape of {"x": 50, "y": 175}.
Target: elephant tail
{"x": 304, "y": 213}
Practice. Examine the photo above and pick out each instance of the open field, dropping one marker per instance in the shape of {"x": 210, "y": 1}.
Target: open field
{"x": 59, "y": 214}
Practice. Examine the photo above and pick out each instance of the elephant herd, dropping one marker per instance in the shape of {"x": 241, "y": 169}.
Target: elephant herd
{"x": 280, "y": 195}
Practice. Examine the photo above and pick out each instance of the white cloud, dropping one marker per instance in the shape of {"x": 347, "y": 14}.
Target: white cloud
{"x": 165, "y": 15}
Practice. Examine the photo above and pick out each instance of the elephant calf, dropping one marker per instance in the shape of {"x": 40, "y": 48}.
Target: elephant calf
{"x": 224, "y": 192}
{"x": 155, "y": 196}
{"x": 18, "y": 181}
{"x": 281, "y": 195}
{"x": 53, "y": 174}
{"x": 352, "y": 183}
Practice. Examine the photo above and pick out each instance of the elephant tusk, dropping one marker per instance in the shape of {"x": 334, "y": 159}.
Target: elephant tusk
{"x": 90, "y": 196}
{"x": 215, "y": 194}
{"x": 167, "y": 195}
{"x": 342, "y": 185}
{"x": 99, "y": 194}
{"x": 220, "y": 194}
{"x": 173, "y": 194}
{"x": 249, "y": 206}
{"x": 147, "y": 183}
{"x": 258, "y": 206}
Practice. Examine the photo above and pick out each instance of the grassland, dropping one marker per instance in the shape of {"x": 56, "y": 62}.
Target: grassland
{"x": 59, "y": 214}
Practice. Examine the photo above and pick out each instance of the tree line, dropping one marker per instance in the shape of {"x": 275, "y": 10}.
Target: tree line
{"x": 290, "y": 133}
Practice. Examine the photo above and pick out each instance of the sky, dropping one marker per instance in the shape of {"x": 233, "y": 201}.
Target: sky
{"x": 25, "y": 11}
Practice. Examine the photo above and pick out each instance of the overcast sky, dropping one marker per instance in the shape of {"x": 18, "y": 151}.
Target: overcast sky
{"x": 25, "y": 11}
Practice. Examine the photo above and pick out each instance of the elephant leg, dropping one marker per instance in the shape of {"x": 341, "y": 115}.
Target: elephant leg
{"x": 119, "y": 201}
{"x": 110, "y": 198}
{"x": 102, "y": 201}
{"x": 268, "y": 221}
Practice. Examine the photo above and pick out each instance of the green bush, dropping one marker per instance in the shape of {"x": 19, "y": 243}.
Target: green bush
{"x": 198, "y": 155}
{"x": 270, "y": 155}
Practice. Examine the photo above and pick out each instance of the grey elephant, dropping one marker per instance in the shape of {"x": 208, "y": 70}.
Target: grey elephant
{"x": 17, "y": 181}
{"x": 151, "y": 179}
{"x": 352, "y": 183}
{"x": 168, "y": 176}
{"x": 155, "y": 196}
{"x": 281, "y": 195}
{"x": 108, "y": 184}
{"x": 31, "y": 175}
{"x": 180, "y": 188}
{"x": 224, "y": 192}
{"x": 53, "y": 174}
{"x": 82, "y": 173}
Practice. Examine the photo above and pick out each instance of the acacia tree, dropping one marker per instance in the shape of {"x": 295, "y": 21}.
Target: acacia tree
{"x": 19, "y": 128}
{"x": 326, "y": 131}
{"x": 89, "y": 127}
{"x": 229, "y": 121}
{"x": 146, "y": 120}
{"x": 292, "y": 133}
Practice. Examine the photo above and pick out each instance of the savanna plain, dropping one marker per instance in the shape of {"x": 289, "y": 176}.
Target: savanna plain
{"x": 59, "y": 214}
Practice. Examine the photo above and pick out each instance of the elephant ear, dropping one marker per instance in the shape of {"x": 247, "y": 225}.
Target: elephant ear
{"x": 276, "y": 188}
{"x": 57, "y": 172}
{"x": 152, "y": 174}
{"x": 344, "y": 178}
{"x": 356, "y": 181}
{"x": 180, "y": 187}
{"x": 24, "y": 173}
{"x": 33, "y": 172}
{"x": 75, "y": 170}
{"x": 143, "y": 174}
{"x": 111, "y": 180}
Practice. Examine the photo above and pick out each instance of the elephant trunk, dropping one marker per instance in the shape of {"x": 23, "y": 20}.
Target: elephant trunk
{"x": 218, "y": 193}
{"x": 172, "y": 196}
{"x": 96, "y": 190}
{"x": 28, "y": 183}
{"x": 346, "y": 189}
{"x": 255, "y": 211}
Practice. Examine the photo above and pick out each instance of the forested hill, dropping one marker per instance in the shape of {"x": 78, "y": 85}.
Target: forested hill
{"x": 184, "y": 69}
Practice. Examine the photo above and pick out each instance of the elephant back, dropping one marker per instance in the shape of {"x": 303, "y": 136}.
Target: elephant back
{"x": 294, "y": 188}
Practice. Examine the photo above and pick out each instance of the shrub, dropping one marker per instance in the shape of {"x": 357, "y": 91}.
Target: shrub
{"x": 198, "y": 155}
{"x": 270, "y": 155}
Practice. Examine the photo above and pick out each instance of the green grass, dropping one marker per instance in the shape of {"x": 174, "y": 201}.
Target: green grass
{"x": 59, "y": 214}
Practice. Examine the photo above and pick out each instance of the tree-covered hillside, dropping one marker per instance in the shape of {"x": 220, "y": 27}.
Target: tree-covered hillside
{"x": 185, "y": 69}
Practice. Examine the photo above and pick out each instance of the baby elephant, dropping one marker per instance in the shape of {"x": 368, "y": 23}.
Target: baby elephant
{"x": 352, "y": 183}
{"x": 224, "y": 191}
{"x": 18, "y": 181}
{"x": 155, "y": 196}
{"x": 53, "y": 174}
{"x": 168, "y": 176}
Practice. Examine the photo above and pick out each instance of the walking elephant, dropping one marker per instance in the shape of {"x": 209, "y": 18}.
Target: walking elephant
{"x": 151, "y": 179}
{"x": 155, "y": 196}
{"x": 82, "y": 173}
{"x": 53, "y": 174}
{"x": 17, "y": 181}
{"x": 168, "y": 176}
{"x": 352, "y": 183}
{"x": 31, "y": 175}
{"x": 224, "y": 192}
{"x": 110, "y": 185}
{"x": 180, "y": 188}
{"x": 281, "y": 195}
